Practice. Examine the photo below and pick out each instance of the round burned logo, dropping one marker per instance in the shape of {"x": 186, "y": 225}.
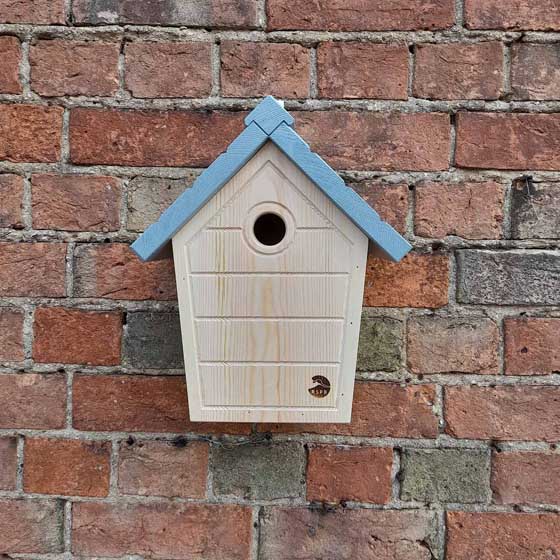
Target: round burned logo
{"x": 321, "y": 388}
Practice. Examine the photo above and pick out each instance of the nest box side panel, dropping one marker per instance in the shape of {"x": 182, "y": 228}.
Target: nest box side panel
{"x": 270, "y": 279}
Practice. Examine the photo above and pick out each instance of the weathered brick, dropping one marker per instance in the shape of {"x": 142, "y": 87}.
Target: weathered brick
{"x": 509, "y": 278}
{"x": 150, "y": 138}
{"x": 445, "y": 475}
{"x": 153, "y": 340}
{"x": 75, "y": 202}
{"x": 138, "y": 404}
{"x": 61, "y": 67}
{"x": 346, "y": 534}
{"x": 508, "y": 141}
{"x": 503, "y": 413}
{"x": 380, "y": 345}
{"x": 148, "y": 197}
{"x": 11, "y": 335}
{"x": 113, "y": 271}
{"x": 512, "y": 14}
{"x": 32, "y": 11}
{"x": 162, "y": 530}
{"x": 378, "y": 141}
{"x": 32, "y": 401}
{"x": 204, "y": 13}
{"x": 502, "y": 535}
{"x": 360, "y": 15}
{"x": 468, "y": 210}
{"x": 389, "y": 201}
{"x": 8, "y": 463}
{"x": 362, "y": 70}
{"x": 157, "y": 468}
{"x": 531, "y": 346}
{"x": 168, "y": 69}
{"x": 380, "y": 410}
{"x": 11, "y": 194}
{"x": 454, "y": 345}
{"x": 71, "y": 467}
{"x": 30, "y": 133}
{"x": 32, "y": 269}
{"x": 535, "y": 210}
{"x": 31, "y": 526}
{"x": 74, "y": 336}
{"x": 359, "y": 474}
{"x": 526, "y": 478}
{"x": 258, "y": 69}
{"x": 10, "y": 58}
{"x": 459, "y": 71}
{"x": 417, "y": 281}
{"x": 259, "y": 472}
{"x": 535, "y": 71}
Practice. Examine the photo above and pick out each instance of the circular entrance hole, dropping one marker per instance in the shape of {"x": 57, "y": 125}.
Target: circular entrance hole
{"x": 269, "y": 229}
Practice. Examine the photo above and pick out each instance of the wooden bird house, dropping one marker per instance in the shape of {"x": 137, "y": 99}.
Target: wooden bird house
{"x": 270, "y": 251}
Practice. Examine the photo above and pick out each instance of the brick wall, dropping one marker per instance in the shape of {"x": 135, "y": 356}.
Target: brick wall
{"x": 445, "y": 115}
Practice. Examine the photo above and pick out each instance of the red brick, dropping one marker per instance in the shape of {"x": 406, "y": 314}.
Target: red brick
{"x": 362, "y": 70}
{"x": 138, "y": 404}
{"x": 417, "y": 281}
{"x": 468, "y": 210}
{"x": 526, "y": 478}
{"x": 258, "y": 69}
{"x": 162, "y": 530}
{"x": 11, "y": 335}
{"x": 503, "y": 413}
{"x": 76, "y": 202}
{"x": 32, "y": 11}
{"x": 378, "y": 141}
{"x": 504, "y": 536}
{"x": 30, "y": 133}
{"x": 156, "y": 468}
{"x": 442, "y": 345}
{"x": 206, "y": 13}
{"x": 459, "y": 71}
{"x": 8, "y": 463}
{"x": 508, "y": 141}
{"x": 168, "y": 69}
{"x": 151, "y": 138}
{"x": 70, "y": 467}
{"x": 359, "y": 474}
{"x": 113, "y": 271}
{"x": 531, "y": 346}
{"x": 345, "y": 534}
{"x": 31, "y": 526}
{"x": 10, "y": 57}
{"x": 11, "y": 194}
{"x": 32, "y": 401}
{"x": 60, "y": 67}
{"x": 360, "y": 15}
{"x": 389, "y": 201}
{"x": 73, "y": 336}
{"x": 512, "y": 14}
{"x": 32, "y": 269}
{"x": 535, "y": 71}
{"x": 380, "y": 410}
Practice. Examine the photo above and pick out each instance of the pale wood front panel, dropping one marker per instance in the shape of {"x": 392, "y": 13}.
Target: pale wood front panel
{"x": 269, "y": 296}
{"x": 323, "y": 250}
{"x": 270, "y": 184}
{"x": 258, "y": 327}
{"x": 267, "y": 385}
{"x": 274, "y": 340}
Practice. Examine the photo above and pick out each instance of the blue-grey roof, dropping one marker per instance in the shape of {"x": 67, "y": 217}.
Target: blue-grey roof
{"x": 269, "y": 121}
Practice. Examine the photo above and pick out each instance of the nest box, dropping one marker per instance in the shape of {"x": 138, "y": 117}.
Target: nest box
{"x": 270, "y": 251}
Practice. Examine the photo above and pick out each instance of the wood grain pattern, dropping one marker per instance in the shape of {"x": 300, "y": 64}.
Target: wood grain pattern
{"x": 257, "y": 327}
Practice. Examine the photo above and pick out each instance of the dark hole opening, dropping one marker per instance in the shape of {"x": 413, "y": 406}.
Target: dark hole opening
{"x": 269, "y": 229}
